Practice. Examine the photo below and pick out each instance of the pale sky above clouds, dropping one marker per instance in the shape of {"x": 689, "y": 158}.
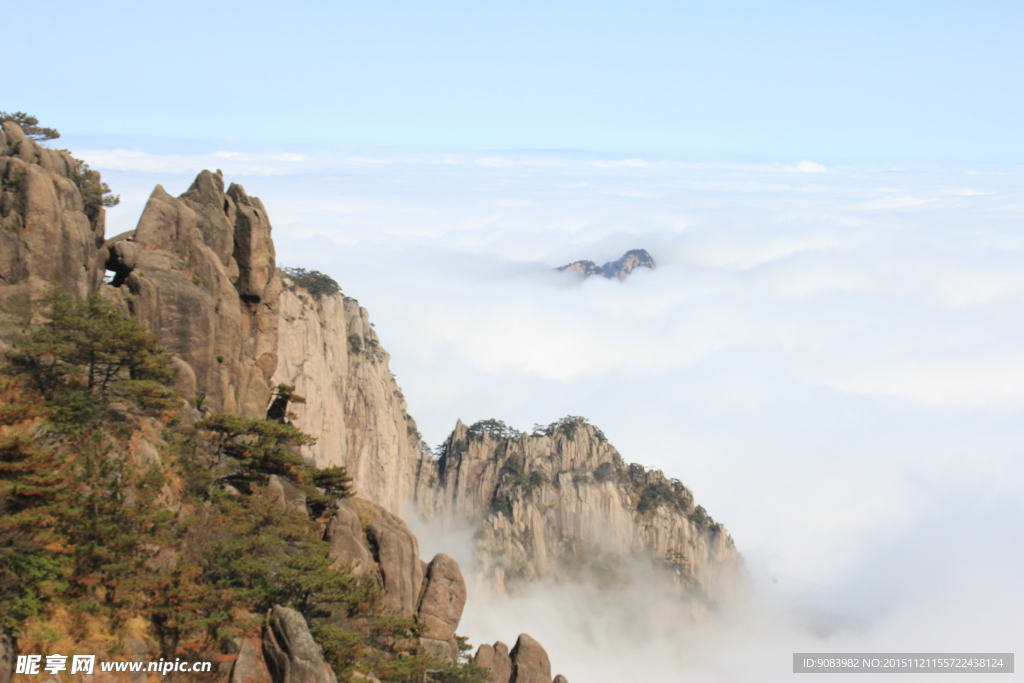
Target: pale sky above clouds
{"x": 789, "y": 80}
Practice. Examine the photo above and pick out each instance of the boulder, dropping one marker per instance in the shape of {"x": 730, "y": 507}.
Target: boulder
{"x": 347, "y": 541}
{"x": 495, "y": 657}
{"x": 286, "y": 494}
{"x": 440, "y": 606}
{"x": 291, "y": 654}
{"x": 250, "y": 667}
{"x": 530, "y": 663}
{"x": 560, "y": 679}
{"x": 397, "y": 553}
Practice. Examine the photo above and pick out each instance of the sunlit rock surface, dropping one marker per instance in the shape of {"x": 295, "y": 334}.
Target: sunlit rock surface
{"x": 561, "y": 503}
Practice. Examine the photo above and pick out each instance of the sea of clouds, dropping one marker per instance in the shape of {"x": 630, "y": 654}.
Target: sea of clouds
{"x": 831, "y": 357}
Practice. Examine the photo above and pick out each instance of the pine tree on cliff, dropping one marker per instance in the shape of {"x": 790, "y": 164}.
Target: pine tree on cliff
{"x": 29, "y": 125}
{"x": 94, "y": 191}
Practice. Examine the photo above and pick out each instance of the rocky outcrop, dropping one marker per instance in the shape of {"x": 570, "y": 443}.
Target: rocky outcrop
{"x": 530, "y": 663}
{"x": 50, "y": 231}
{"x": 292, "y": 656}
{"x": 200, "y": 272}
{"x": 372, "y": 541}
{"x": 440, "y": 606}
{"x": 397, "y": 554}
{"x": 561, "y": 503}
{"x": 620, "y": 269}
{"x": 560, "y": 679}
{"x": 348, "y": 546}
{"x": 496, "y": 658}
{"x": 250, "y": 667}
{"x": 332, "y": 356}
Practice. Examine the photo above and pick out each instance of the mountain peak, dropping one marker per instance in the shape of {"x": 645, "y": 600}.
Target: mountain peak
{"x": 620, "y": 269}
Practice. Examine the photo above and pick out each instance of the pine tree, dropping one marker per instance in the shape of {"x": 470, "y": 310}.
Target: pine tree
{"x": 29, "y": 125}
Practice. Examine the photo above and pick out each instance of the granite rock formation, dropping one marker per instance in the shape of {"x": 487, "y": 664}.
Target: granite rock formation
{"x": 496, "y": 658}
{"x": 440, "y": 606}
{"x": 620, "y": 269}
{"x": 49, "y": 232}
{"x": 291, "y": 654}
{"x": 199, "y": 270}
{"x": 250, "y": 666}
{"x": 331, "y": 354}
{"x": 562, "y": 503}
{"x": 530, "y": 663}
{"x": 371, "y": 540}
{"x": 527, "y": 663}
{"x": 347, "y": 541}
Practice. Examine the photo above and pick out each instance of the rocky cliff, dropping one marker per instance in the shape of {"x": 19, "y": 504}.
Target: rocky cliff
{"x": 619, "y": 269}
{"x": 332, "y": 356}
{"x": 562, "y": 503}
{"x": 199, "y": 270}
{"x": 49, "y": 230}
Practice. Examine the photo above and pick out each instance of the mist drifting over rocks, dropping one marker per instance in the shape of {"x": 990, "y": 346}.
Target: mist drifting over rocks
{"x": 829, "y": 360}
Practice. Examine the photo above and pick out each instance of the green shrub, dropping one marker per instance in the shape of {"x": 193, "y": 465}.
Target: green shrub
{"x": 494, "y": 428}
{"x": 355, "y": 344}
{"x": 313, "y": 281}
{"x": 604, "y": 472}
{"x": 29, "y": 125}
{"x": 77, "y": 351}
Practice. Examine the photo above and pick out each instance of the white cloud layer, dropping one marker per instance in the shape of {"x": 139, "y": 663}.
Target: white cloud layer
{"x": 831, "y": 360}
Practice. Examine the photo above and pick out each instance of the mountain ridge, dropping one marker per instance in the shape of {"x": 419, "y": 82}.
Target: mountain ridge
{"x": 200, "y": 271}
{"x": 619, "y": 269}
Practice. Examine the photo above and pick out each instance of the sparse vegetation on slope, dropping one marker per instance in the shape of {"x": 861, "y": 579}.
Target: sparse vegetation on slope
{"x": 316, "y": 283}
{"x": 115, "y": 512}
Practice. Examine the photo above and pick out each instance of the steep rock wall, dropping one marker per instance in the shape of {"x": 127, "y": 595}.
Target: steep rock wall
{"x": 48, "y": 231}
{"x": 332, "y": 356}
{"x": 199, "y": 270}
{"x": 563, "y": 503}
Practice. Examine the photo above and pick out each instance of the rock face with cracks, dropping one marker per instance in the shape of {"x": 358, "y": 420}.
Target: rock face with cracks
{"x": 204, "y": 279}
{"x": 496, "y": 658}
{"x": 530, "y": 663}
{"x": 291, "y": 654}
{"x": 332, "y": 356}
{"x": 440, "y": 606}
{"x": 50, "y": 230}
{"x": 563, "y": 503}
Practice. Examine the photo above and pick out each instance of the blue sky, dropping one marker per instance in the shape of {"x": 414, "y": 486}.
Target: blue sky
{"x": 934, "y": 81}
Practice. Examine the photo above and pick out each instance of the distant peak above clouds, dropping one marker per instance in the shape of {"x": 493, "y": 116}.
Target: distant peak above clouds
{"x": 632, "y": 259}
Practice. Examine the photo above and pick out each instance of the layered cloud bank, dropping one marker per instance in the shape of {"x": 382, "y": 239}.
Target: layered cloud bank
{"x": 831, "y": 357}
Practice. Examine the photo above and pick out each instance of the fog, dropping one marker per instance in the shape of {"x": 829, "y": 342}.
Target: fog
{"x": 830, "y": 356}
